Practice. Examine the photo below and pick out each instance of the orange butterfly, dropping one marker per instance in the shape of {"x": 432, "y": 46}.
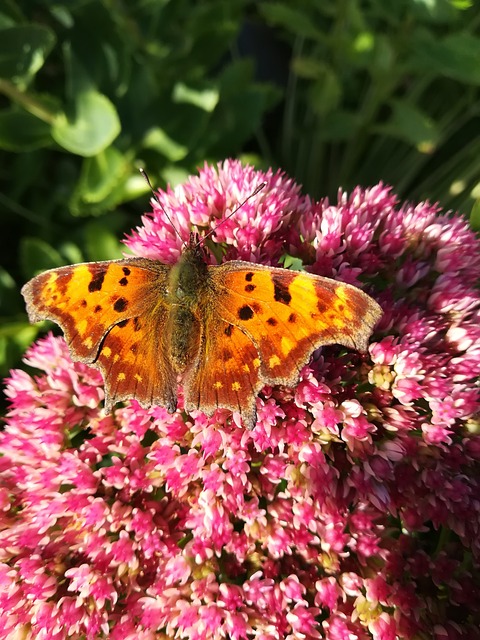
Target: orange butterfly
{"x": 226, "y": 330}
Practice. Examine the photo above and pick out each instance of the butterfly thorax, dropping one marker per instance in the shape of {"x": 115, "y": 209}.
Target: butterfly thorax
{"x": 188, "y": 278}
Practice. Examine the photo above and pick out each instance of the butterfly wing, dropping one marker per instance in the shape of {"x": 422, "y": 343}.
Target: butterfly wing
{"x": 113, "y": 315}
{"x": 226, "y": 371}
{"x": 264, "y": 326}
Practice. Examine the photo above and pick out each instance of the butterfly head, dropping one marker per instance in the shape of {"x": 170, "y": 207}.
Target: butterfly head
{"x": 196, "y": 247}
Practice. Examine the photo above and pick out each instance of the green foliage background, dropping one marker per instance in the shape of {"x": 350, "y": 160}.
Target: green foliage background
{"x": 336, "y": 92}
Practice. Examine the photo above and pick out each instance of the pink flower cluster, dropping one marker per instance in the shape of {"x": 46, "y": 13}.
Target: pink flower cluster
{"x": 351, "y": 511}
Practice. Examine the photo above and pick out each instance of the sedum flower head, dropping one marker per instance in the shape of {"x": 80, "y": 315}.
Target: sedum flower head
{"x": 350, "y": 512}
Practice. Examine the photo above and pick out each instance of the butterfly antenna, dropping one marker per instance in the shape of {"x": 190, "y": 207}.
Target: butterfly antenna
{"x": 261, "y": 186}
{"x": 157, "y": 200}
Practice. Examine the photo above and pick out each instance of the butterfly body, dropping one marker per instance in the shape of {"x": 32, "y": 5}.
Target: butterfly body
{"x": 225, "y": 330}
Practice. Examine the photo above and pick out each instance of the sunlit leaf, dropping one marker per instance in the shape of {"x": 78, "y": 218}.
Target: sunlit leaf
{"x": 90, "y": 128}
{"x": 23, "y": 50}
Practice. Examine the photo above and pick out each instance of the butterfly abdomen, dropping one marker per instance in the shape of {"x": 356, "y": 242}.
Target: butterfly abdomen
{"x": 184, "y": 337}
{"x": 188, "y": 278}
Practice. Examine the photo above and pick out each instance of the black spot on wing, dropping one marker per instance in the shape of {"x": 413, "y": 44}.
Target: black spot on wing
{"x": 228, "y": 330}
{"x": 245, "y": 312}
{"x": 272, "y": 322}
{"x": 280, "y": 289}
{"x": 120, "y": 305}
{"x": 249, "y": 276}
{"x": 98, "y": 276}
{"x": 126, "y": 271}
{"x": 123, "y": 282}
{"x": 250, "y": 287}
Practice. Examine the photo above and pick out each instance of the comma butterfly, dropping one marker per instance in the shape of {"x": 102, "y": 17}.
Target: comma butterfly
{"x": 227, "y": 330}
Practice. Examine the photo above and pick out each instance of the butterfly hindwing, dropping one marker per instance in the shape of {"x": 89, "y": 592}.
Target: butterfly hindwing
{"x": 226, "y": 371}
{"x": 134, "y": 363}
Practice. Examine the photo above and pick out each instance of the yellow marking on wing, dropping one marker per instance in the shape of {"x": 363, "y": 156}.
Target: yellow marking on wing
{"x": 321, "y": 325}
{"x": 138, "y": 377}
{"x": 88, "y": 342}
{"x": 116, "y": 357}
{"x": 246, "y": 368}
{"x": 302, "y": 287}
{"x": 52, "y": 278}
{"x": 218, "y": 385}
{"x": 286, "y": 345}
{"x": 236, "y": 386}
{"x": 343, "y": 295}
{"x": 274, "y": 362}
{"x": 121, "y": 377}
{"x": 256, "y": 363}
{"x": 81, "y": 276}
{"x": 106, "y": 352}
{"x": 230, "y": 364}
{"x": 82, "y": 326}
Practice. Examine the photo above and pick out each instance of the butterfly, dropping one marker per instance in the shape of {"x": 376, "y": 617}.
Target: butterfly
{"x": 224, "y": 330}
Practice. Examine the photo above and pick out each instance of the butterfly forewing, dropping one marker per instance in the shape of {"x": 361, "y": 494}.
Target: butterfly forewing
{"x": 288, "y": 314}
{"x": 86, "y": 300}
{"x": 113, "y": 315}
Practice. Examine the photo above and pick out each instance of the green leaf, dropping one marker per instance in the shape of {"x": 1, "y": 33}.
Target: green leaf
{"x": 293, "y": 20}
{"x": 157, "y": 138}
{"x": 8, "y": 291}
{"x": 101, "y": 174}
{"x": 291, "y": 262}
{"x": 475, "y": 216}
{"x": 36, "y": 256}
{"x": 23, "y": 50}
{"x": 412, "y": 125}
{"x": 456, "y": 57}
{"x": 133, "y": 187}
{"x": 15, "y": 338}
{"x": 325, "y": 93}
{"x": 93, "y": 125}
{"x": 71, "y": 252}
{"x": 90, "y": 122}
{"x": 174, "y": 175}
{"x": 21, "y": 131}
{"x": 308, "y": 67}
{"x": 101, "y": 243}
{"x": 340, "y": 125}
{"x": 462, "y": 5}
{"x": 206, "y": 99}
